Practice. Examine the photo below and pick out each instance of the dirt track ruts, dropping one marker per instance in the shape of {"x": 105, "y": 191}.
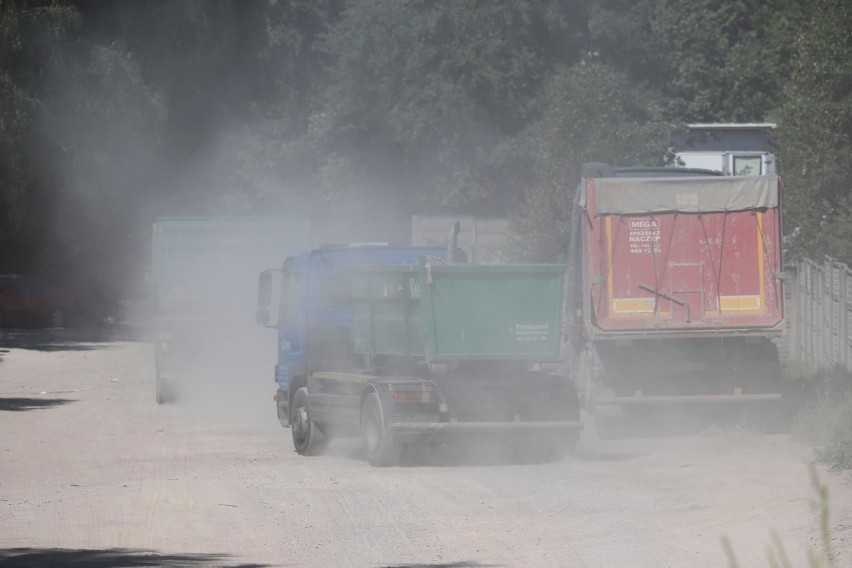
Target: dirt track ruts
{"x": 93, "y": 471}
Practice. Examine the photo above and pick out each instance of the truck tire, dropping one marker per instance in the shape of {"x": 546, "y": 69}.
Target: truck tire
{"x": 307, "y": 438}
{"x": 379, "y": 445}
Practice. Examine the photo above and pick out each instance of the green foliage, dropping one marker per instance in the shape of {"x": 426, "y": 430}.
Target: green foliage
{"x": 17, "y": 114}
{"x": 592, "y": 114}
{"x": 431, "y": 96}
{"x": 711, "y": 60}
{"x": 814, "y": 134}
{"x": 620, "y": 33}
{"x": 114, "y": 112}
{"x": 827, "y": 423}
{"x": 103, "y": 124}
{"x": 724, "y": 61}
{"x": 776, "y": 554}
{"x": 30, "y": 32}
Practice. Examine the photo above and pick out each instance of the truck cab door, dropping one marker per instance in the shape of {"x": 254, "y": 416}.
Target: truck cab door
{"x": 292, "y": 311}
{"x": 328, "y": 331}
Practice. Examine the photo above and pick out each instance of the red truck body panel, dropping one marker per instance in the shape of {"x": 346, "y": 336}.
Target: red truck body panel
{"x": 686, "y": 256}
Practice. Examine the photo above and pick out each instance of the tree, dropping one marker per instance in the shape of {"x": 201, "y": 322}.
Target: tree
{"x": 31, "y": 32}
{"x": 102, "y": 128}
{"x": 621, "y": 34}
{"x": 720, "y": 60}
{"x": 593, "y": 114}
{"x": 428, "y": 98}
{"x": 815, "y": 135}
{"x": 114, "y": 112}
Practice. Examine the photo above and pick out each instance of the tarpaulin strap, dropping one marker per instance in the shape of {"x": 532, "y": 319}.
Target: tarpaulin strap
{"x": 658, "y": 281}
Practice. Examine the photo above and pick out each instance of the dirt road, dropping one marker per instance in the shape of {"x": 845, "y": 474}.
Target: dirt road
{"x": 93, "y": 471}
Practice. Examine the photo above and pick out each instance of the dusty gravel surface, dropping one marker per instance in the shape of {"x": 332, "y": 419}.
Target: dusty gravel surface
{"x": 93, "y": 472}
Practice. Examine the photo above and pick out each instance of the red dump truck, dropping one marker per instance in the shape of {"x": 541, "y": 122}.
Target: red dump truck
{"x": 674, "y": 292}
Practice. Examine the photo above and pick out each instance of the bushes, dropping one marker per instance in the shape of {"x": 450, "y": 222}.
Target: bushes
{"x": 776, "y": 553}
{"x": 826, "y": 423}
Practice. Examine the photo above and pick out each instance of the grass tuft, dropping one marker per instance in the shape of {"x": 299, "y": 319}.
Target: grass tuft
{"x": 826, "y": 423}
{"x": 776, "y": 553}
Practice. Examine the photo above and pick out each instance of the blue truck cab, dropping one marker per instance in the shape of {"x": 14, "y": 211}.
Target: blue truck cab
{"x": 314, "y": 309}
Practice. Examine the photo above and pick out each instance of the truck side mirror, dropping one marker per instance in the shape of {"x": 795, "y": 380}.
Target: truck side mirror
{"x": 261, "y": 316}
{"x": 264, "y": 292}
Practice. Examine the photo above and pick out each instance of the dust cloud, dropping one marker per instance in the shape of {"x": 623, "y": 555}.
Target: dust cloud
{"x": 200, "y": 167}
{"x": 207, "y": 166}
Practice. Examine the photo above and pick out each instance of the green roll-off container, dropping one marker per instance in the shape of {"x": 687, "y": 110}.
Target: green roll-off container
{"x": 451, "y": 312}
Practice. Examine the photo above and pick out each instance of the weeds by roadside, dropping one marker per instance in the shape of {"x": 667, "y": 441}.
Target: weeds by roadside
{"x": 776, "y": 554}
{"x": 826, "y": 423}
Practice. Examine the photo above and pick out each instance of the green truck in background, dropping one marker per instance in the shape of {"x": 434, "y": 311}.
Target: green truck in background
{"x": 203, "y": 278}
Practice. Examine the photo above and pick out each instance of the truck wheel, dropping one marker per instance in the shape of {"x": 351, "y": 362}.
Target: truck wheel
{"x": 379, "y": 446}
{"x": 307, "y": 438}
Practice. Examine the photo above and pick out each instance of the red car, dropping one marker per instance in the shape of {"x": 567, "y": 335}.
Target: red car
{"x": 30, "y": 300}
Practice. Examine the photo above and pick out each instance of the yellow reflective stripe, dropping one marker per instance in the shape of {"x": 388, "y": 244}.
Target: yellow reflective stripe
{"x": 633, "y": 305}
{"x": 735, "y": 303}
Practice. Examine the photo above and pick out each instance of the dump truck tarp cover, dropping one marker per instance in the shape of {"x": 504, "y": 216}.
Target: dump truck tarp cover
{"x": 627, "y": 196}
